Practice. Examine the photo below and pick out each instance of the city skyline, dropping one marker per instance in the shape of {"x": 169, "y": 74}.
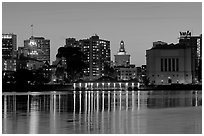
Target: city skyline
{"x": 137, "y": 24}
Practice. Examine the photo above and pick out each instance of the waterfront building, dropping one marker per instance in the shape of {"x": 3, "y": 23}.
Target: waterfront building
{"x": 173, "y": 63}
{"x": 9, "y": 46}
{"x": 125, "y": 70}
{"x": 126, "y": 73}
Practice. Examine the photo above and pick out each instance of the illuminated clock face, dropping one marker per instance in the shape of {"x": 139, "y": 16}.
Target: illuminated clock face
{"x": 32, "y": 43}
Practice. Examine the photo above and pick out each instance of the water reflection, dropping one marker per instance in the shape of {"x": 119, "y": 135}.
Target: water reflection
{"x": 99, "y": 111}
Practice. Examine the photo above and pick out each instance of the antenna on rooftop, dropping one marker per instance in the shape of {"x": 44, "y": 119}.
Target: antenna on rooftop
{"x": 31, "y": 31}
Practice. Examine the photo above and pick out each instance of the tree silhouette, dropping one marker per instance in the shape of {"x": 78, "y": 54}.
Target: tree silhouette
{"x": 109, "y": 71}
{"x": 23, "y": 76}
{"x": 74, "y": 62}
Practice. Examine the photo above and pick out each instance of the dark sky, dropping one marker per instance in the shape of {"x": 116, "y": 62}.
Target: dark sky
{"x": 138, "y": 24}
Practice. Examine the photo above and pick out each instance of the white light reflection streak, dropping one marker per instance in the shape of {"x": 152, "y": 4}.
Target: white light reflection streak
{"x": 102, "y": 114}
{"x": 196, "y": 95}
{"x": 114, "y": 97}
{"x": 114, "y": 116}
{"x": 59, "y": 103}
{"x": 91, "y": 113}
{"x": 126, "y": 113}
{"x": 34, "y": 117}
{"x": 28, "y": 104}
{"x": 126, "y": 100}
{"x": 88, "y": 117}
{"x": 103, "y": 101}
{"x": 74, "y": 112}
{"x": 138, "y": 100}
{"x": 108, "y": 101}
{"x": 5, "y": 115}
{"x": 54, "y": 112}
{"x": 85, "y": 111}
{"x": 80, "y": 110}
{"x": 97, "y": 108}
{"x": 80, "y": 102}
{"x": 120, "y": 99}
{"x": 132, "y": 113}
{"x": 92, "y": 102}
{"x": 120, "y": 118}
{"x": 133, "y": 100}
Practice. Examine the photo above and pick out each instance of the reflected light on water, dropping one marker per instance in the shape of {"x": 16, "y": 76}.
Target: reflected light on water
{"x": 103, "y": 112}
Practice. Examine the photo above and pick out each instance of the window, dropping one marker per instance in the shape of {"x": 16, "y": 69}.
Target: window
{"x": 173, "y": 64}
{"x": 161, "y": 65}
{"x": 169, "y": 64}
{"x": 177, "y": 64}
{"x": 165, "y": 65}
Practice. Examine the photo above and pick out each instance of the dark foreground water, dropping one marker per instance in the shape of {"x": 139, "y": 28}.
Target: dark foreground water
{"x": 102, "y": 112}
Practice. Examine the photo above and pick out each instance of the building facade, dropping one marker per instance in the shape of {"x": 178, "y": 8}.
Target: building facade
{"x": 122, "y": 64}
{"x": 122, "y": 58}
{"x": 195, "y": 44}
{"x": 127, "y": 73}
{"x": 175, "y": 63}
{"x": 97, "y": 53}
{"x": 9, "y": 46}
{"x": 37, "y": 49}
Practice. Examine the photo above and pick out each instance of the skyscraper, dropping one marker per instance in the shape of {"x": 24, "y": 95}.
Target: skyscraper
{"x": 9, "y": 45}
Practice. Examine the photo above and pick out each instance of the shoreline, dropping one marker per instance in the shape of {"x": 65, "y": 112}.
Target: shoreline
{"x": 69, "y": 87}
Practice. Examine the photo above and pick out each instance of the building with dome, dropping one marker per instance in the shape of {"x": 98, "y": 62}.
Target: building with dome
{"x": 122, "y": 58}
{"x": 126, "y": 71}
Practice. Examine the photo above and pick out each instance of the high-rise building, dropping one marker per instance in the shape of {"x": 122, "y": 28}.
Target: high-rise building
{"x": 9, "y": 45}
{"x": 97, "y": 53}
{"x": 175, "y": 63}
{"x": 195, "y": 44}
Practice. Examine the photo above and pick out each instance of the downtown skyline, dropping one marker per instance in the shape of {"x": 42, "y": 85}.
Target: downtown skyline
{"x": 137, "y": 24}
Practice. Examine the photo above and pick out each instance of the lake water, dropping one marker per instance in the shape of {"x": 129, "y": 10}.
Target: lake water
{"x": 104, "y": 112}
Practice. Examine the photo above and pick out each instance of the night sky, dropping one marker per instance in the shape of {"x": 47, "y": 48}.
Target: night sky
{"x": 138, "y": 24}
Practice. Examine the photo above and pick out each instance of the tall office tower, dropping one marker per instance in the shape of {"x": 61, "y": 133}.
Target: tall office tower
{"x": 9, "y": 45}
{"x": 122, "y": 58}
{"x": 195, "y": 44}
{"x": 97, "y": 52}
